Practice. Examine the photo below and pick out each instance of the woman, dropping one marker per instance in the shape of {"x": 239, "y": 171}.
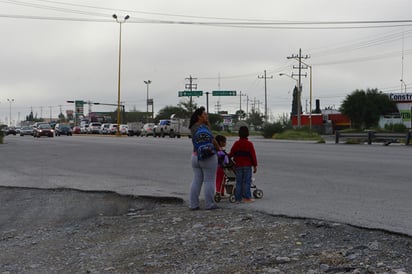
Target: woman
{"x": 204, "y": 169}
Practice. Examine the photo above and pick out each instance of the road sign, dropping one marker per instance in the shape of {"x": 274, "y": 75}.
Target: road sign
{"x": 190, "y": 93}
{"x": 224, "y": 93}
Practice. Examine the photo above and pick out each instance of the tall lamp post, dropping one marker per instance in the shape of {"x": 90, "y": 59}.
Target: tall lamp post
{"x": 298, "y": 97}
{"x": 120, "y": 62}
{"x": 403, "y": 83}
{"x": 10, "y": 101}
{"x": 148, "y": 82}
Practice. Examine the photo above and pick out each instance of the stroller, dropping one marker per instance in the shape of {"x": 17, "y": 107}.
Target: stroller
{"x": 229, "y": 183}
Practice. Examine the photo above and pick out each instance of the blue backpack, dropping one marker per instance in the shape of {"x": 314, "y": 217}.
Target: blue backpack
{"x": 202, "y": 141}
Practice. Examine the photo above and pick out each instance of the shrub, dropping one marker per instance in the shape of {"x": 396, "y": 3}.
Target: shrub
{"x": 300, "y": 134}
{"x": 270, "y": 129}
{"x": 396, "y": 128}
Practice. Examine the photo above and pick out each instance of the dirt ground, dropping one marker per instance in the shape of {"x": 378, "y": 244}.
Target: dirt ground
{"x": 70, "y": 231}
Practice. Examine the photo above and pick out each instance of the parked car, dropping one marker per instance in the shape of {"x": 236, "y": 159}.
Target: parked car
{"x": 123, "y": 129}
{"x": 26, "y": 131}
{"x": 84, "y": 128}
{"x": 10, "y": 130}
{"x": 113, "y": 128}
{"x": 62, "y": 129}
{"x": 134, "y": 128}
{"x": 43, "y": 130}
{"x": 105, "y": 128}
{"x": 147, "y": 129}
{"x": 76, "y": 130}
{"x": 94, "y": 128}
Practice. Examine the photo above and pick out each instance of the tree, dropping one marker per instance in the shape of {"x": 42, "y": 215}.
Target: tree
{"x": 34, "y": 118}
{"x": 30, "y": 117}
{"x": 189, "y": 108}
{"x": 167, "y": 111}
{"x": 294, "y": 102}
{"x": 365, "y": 107}
{"x": 241, "y": 114}
{"x": 255, "y": 118}
{"x": 136, "y": 116}
{"x": 62, "y": 119}
{"x": 215, "y": 120}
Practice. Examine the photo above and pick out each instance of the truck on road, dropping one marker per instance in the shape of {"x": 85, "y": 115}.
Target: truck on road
{"x": 173, "y": 127}
{"x": 134, "y": 128}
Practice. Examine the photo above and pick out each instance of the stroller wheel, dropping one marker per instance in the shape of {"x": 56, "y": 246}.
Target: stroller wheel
{"x": 258, "y": 193}
{"x": 217, "y": 197}
{"x": 232, "y": 198}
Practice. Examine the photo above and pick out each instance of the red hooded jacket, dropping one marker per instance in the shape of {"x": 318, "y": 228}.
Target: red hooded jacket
{"x": 243, "y": 153}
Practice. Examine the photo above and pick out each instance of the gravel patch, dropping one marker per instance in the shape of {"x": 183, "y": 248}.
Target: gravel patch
{"x": 69, "y": 231}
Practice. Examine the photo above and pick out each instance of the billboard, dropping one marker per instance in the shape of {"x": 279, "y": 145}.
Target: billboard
{"x": 404, "y": 103}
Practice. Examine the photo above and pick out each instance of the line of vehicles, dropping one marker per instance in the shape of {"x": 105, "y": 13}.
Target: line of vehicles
{"x": 174, "y": 127}
{"x": 39, "y": 129}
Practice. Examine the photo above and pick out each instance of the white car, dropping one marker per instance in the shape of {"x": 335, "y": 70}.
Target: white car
{"x": 105, "y": 129}
{"x": 94, "y": 127}
{"x": 147, "y": 129}
{"x": 83, "y": 128}
{"x": 113, "y": 128}
{"x": 123, "y": 129}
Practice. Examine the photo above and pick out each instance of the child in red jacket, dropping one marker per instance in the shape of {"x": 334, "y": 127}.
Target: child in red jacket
{"x": 244, "y": 155}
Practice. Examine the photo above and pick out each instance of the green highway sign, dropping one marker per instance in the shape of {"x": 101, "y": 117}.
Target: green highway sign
{"x": 224, "y": 93}
{"x": 190, "y": 93}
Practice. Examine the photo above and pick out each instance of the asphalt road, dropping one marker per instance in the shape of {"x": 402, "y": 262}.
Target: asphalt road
{"x": 363, "y": 185}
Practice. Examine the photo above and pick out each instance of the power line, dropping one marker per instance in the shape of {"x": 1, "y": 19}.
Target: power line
{"x": 53, "y": 8}
{"x": 235, "y": 24}
{"x": 235, "y": 21}
{"x": 363, "y": 59}
{"x": 266, "y": 97}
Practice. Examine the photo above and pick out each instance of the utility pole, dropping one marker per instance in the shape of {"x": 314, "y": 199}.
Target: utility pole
{"x": 266, "y": 97}
{"x": 148, "y": 82}
{"x": 247, "y": 105}
{"x": 207, "y": 101}
{"x": 191, "y": 87}
{"x": 310, "y": 93}
{"x": 240, "y": 103}
{"x": 299, "y": 74}
{"x": 217, "y": 107}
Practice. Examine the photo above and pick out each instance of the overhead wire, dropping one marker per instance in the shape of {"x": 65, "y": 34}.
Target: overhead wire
{"x": 235, "y": 23}
{"x": 225, "y": 22}
{"x": 53, "y": 8}
{"x": 248, "y": 23}
{"x": 361, "y": 44}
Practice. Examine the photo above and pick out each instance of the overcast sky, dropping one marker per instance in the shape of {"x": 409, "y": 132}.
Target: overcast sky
{"x": 54, "y": 51}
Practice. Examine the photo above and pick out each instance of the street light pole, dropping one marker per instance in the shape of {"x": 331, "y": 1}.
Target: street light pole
{"x": 148, "y": 82}
{"x": 10, "y": 101}
{"x": 120, "y": 62}
{"x": 403, "y": 82}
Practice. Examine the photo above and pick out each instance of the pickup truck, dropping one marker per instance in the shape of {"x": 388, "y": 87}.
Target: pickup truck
{"x": 174, "y": 127}
{"x": 134, "y": 129}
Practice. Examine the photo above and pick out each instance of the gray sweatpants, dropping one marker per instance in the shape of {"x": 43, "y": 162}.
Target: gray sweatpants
{"x": 204, "y": 172}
